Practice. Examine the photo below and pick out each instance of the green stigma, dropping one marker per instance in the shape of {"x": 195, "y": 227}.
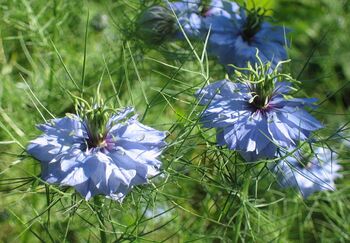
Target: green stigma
{"x": 96, "y": 122}
{"x": 261, "y": 79}
{"x": 95, "y": 116}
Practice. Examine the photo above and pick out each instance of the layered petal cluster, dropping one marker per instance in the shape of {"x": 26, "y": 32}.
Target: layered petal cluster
{"x": 233, "y": 41}
{"x": 255, "y": 132}
{"x": 127, "y": 156}
{"x": 311, "y": 174}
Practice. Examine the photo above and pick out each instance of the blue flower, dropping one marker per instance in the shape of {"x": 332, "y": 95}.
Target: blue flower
{"x": 188, "y": 16}
{"x": 314, "y": 172}
{"x": 256, "y": 118}
{"x": 222, "y": 8}
{"x": 235, "y": 40}
{"x": 108, "y": 161}
{"x": 191, "y": 14}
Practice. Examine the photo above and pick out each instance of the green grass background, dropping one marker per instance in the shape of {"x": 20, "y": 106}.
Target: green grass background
{"x": 205, "y": 194}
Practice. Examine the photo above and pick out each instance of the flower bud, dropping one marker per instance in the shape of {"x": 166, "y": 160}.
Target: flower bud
{"x": 156, "y": 24}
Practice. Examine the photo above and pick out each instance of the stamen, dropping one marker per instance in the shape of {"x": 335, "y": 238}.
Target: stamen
{"x": 261, "y": 80}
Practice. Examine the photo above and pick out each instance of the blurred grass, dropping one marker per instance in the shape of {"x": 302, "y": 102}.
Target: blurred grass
{"x": 204, "y": 194}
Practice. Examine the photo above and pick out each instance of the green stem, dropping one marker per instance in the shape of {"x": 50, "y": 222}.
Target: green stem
{"x": 244, "y": 197}
{"x": 53, "y": 58}
{"x": 98, "y": 208}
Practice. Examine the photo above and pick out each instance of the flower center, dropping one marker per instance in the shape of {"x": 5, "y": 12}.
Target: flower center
{"x": 253, "y": 23}
{"x": 259, "y": 103}
{"x": 96, "y": 121}
{"x": 261, "y": 82}
{"x": 261, "y": 93}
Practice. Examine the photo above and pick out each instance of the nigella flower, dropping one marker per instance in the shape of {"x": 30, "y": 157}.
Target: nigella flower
{"x": 256, "y": 114}
{"x": 191, "y": 14}
{"x": 309, "y": 172}
{"x": 97, "y": 153}
{"x": 235, "y": 40}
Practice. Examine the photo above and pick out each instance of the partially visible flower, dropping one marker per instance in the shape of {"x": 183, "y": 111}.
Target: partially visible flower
{"x": 256, "y": 114}
{"x": 189, "y": 17}
{"x": 156, "y": 24}
{"x": 191, "y": 14}
{"x": 309, "y": 172}
{"x": 224, "y": 8}
{"x": 235, "y": 40}
{"x": 97, "y": 153}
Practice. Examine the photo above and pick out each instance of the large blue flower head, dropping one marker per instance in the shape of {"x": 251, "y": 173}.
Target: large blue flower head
{"x": 191, "y": 14}
{"x": 308, "y": 171}
{"x": 256, "y": 114}
{"x": 235, "y": 40}
{"x": 98, "y": 151}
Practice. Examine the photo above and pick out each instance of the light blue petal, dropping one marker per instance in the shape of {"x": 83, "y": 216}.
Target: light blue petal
{"x": 302, "y": 119}
{"x": 121, "y": 115}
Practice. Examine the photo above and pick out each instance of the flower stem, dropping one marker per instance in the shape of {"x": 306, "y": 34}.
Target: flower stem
{"x": 244, "y": 197}
{"x": 98, "y": 203}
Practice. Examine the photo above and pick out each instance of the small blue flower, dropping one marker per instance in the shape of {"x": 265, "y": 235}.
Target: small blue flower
{"x": 191, "y": 14}
{"x": 188, "y": 16}
{"x": 235, "y": 40}
{"x": 314, "y": 172}
{"x": 256, "y": 118}
{"x": 108, "y": 161}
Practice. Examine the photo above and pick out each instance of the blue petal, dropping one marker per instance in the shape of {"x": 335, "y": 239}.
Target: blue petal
{"x": 280, "y": 131}
{"x": 257, "y": 139}
{"x": 67, "y": 127}
{"x": 221, "y": 90}
{"x": 121, "y": 115}
{"x": 301, "y": 119}
{"x": 143, "y": 170}
{"x": 60, "y": 135}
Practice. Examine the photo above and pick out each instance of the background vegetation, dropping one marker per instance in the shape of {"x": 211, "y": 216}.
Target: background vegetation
{"x": 205, "y": 194}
